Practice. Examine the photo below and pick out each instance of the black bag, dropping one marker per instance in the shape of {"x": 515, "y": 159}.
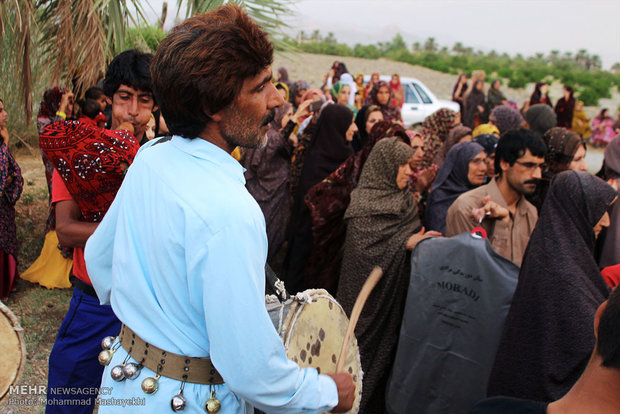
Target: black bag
{"x": 458, "y": 298}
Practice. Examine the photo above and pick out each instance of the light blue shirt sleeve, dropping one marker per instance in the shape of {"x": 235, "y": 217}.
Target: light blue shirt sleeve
{"x": 247, "y": 351}
{"x": 181, "y": 260}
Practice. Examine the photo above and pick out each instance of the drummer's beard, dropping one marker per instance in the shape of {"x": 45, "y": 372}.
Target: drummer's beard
{"x": 243, "y": 129}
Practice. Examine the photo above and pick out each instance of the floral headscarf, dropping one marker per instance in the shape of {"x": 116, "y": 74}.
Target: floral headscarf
{"x": 435, "y": 130}
{"x": 390, "y": 112}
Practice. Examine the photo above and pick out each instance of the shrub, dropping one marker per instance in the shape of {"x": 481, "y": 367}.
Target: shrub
{"x": 588, "y": 96}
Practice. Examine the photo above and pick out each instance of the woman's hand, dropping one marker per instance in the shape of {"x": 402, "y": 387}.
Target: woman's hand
{"x": 4, "y": 133}
{"x": 416, "y": 238}
{"x": 65, "y": 101}
{"x": 301, "y": 111}
{"x": 425, "y": 179}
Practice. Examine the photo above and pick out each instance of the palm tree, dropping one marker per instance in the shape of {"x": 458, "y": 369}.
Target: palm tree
{"x": 16, "y": 23}
{"x": 77, "y": 38}
{"x": 458, "y": 48}
{"x": 430, "y": 45}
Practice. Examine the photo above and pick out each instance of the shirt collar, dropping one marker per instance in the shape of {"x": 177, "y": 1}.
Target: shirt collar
{"x": 496, "y": 195}
{"x": 204, "y": 149}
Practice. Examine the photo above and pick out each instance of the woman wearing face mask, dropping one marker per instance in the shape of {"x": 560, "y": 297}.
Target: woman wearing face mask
{"x": 465, "y": 168}
{"x": 383, "y": 226}
{"x": 548, "y": 336}
{"x": 330, "y": 146}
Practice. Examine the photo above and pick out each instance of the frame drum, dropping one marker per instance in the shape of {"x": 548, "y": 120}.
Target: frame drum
{"x": 12, "y": 350}
{"x": 312, "y": 326}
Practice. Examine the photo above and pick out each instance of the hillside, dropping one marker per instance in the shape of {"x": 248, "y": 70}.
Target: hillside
{"x": 311, "y": 67}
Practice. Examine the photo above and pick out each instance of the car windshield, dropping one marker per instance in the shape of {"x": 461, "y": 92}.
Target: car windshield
{"x": 410, "y": 95}
{"x": 423, "y": 94}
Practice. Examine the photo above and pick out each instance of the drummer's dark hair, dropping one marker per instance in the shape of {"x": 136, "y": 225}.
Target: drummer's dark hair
{"x": 608, "y": 338}
{"x": 200, "y": 67}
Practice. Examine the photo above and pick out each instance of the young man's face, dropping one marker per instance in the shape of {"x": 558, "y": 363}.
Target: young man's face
{"x": 245, "y": 122}
{"x": 134, "y": 106}
{"x": 524, "y": 174}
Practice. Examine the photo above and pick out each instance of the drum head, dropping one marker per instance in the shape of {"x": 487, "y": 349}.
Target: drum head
{"x": 13, "y": 350}
{"x": 315, "y": 334}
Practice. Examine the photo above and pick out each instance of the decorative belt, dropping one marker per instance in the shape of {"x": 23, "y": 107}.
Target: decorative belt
{"x": 170, "y": 365}
{"x": 182, "y": 368}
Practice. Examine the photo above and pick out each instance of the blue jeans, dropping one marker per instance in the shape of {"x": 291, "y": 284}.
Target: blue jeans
{"x": 74, "y": 371}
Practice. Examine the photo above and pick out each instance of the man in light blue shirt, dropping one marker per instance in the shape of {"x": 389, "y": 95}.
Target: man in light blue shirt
{"x": 180, "y": 254}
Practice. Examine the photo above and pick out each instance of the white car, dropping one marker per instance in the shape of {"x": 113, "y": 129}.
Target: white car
{"x": 420, "y": 102}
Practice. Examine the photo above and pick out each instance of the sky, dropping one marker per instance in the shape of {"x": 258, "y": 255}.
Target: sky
{"x": 511, "y": 26}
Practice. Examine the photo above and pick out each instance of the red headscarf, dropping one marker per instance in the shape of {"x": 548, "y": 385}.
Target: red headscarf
{"x": 90, "y": 162}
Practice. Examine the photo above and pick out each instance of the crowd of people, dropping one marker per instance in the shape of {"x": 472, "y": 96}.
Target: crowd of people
{"x": 569, "y": 112}
{"x": 176, "y": 245}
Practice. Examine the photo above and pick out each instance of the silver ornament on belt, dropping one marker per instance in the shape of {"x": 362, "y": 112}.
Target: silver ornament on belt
{"x": 132, "y": 370}
{"x": 106, "y": 343}
{"x": 117, "y": 373}
{"x": 178, "y": 402}
{"x": 105, "y": 357}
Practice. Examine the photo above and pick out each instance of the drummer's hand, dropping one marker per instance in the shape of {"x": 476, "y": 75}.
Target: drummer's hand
{"x": 346, "y": 391}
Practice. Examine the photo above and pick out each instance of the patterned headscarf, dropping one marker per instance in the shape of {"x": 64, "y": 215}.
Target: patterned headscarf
{"x": 455, "y": 135}
{"x": 435, "y": 130}
{"x": 300, "y": 85}
{"x": 506, "y": 118}
{"x": 377, "y": 191}
{"x": 390, "y": 112}
{"x": 89, "y": 161}
{"x": 562, "y": 144}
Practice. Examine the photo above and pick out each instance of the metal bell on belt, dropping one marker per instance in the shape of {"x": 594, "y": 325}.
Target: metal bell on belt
{"x": 105, "y": 357}
{"x": 117, "y": 373}
{"x": 213, "y": 405}
{"x": 178, "y": 402}
{"x": 132, "y": 370}
{"x": 149, "y": 385}
{"x": 106, "y": 343}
